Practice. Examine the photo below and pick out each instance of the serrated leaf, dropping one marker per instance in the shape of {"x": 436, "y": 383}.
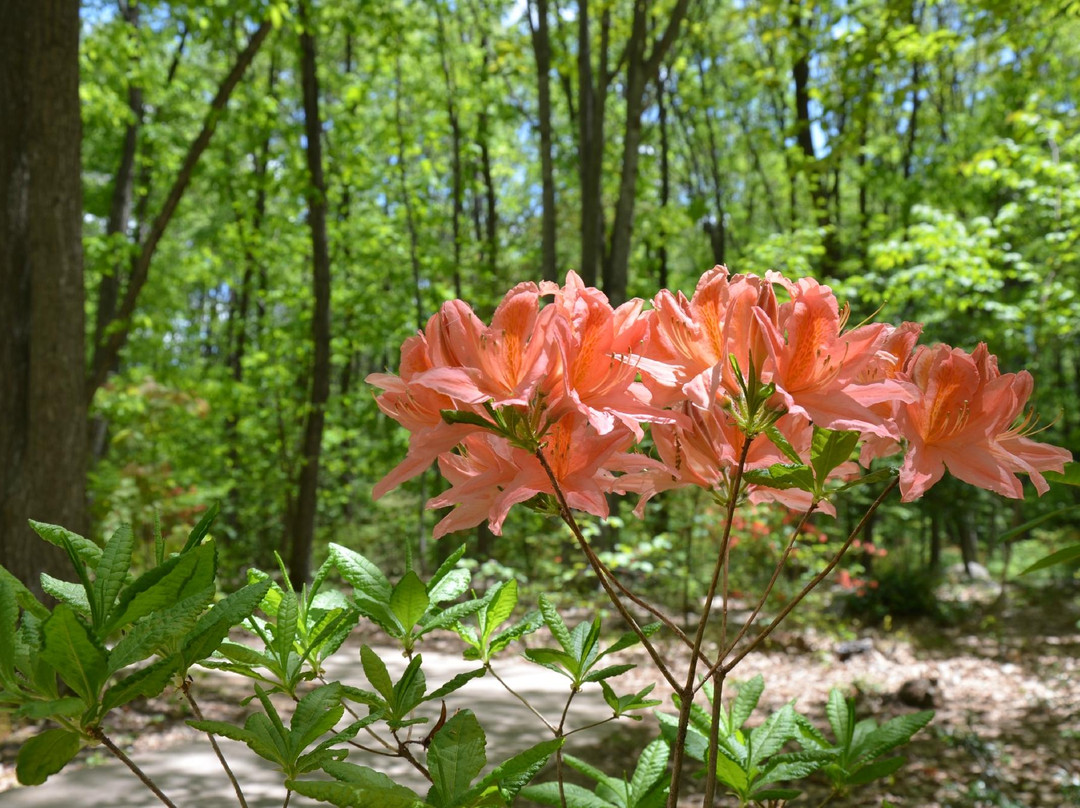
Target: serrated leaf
{"x": 447, "y": 617}
{"x": 37, "y": 710}
{"x": 840, "y": 716}
{"x": 768, "y": 738}
{"x": 445, "y": 568}
{"x": 198, "y": 533}
{"x": 316, "y": 714}
{"x": 651, "y": 768}
{"x": 377, "y": 675}
{"x": 500, "y": 607}
{"x": 875, "y": 771}
{"x": 23, "y": 596}
{"x": 74, "y": 595}
{"x": 576, "y": 796}
{"x": 74, "y": 652}
{"x": 285, "y": 627}
{"x": 409, "y": 690}
{"x": 214, "y": 625}
{"x": 609, "y": 672}
{"x": 453, "y": 585}
{"x": 409, "y": 600}
{"x": 782, "y": 443}
{"x": 454, "y": 684}
{"x": 514, "y": 774}
{"x": 555, "y": 624}
{"x": 455, "y": 758}
{"x": 144, "y": 683}
{"x": 112, "y": 569}
{"x": 746, "y": 701}
{"x": 158, "y": 629}
{"x": 85, "y": 549}
{"x": 243, "y": 654}
{"x": 889, "y": 735}
{"x": 44, "y": 755}
{"x": 614, "y": 783}
{"x": 176, "y": 579}
{"x": 357, "y": 787}
{"x": 364, "y": 576}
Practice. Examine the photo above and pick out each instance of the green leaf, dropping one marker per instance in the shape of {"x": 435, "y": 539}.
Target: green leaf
{"x": 316, "y": 714}
{"x": 112, "y": 569}
{"x": 512, "y": 775}
{"x": 178, "y": 578}
{"x": 376, "y": 673}
{"x": 782, "y": 443}
{"x": 466, "y": 417}
{"x": 875, "y": 771}
{"x": 45, "y": 755}
{"x": 783, "y": 477}
{"x": 198, "y": 533}
{"x": 555, "y": 624}
{"x": 456, "y": 683}
{"x": 53, "y": 708}
{"x": 214, "y": 625}
{"x": 357, "y": 787}
{"x": 409, "y": 690}
{"x": 768, "y": 738}
{"x": 75, "y": 653}
{"x": 23, "y": 596}
{"x": 1065, "y": 555}
{"x": 285, "y": 628}
{"x": 364, "y": 576}
{"x": 159, "y": 629}
{"x": 876, "y": 476}
{"x": 455, "y": 758}
{"x": 144, "y": 683}
{"x": 501, "y": 606}
{"x": 1016, "y": 532}
{"x": 85, "y": 549}
{"x": 829, "y": 450}
{"x": 1070, "y": 477}
{"x": 409, "y": 600}
{"x": 746, "y": 701}
{"x": 609, "y": 672}
{"x": 576, "y": 796}
{"x": 435, "y": 585}
{"x": 74, "y": 595}
{"x": 841, "y": 717}
{"x": 890, "y": 735}
{"x": 651, "y": 768}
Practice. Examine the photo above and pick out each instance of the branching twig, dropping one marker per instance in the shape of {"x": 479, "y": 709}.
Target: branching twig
{"x": 97, "y": 734}
{"x": 186, "y": 688}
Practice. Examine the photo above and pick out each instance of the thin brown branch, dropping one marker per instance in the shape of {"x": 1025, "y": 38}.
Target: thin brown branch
{"x": 97, "y": 734}
{"x": 186, "y": 688}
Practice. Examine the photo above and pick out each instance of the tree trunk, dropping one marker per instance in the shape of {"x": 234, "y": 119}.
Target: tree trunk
{"x": 43, "y": 442}
{"x": 107, "y": 352}
{"x": 592, "y": 99}
{"x": 641, "y": 69}
{"x": 541, "y": 42}
{"x": 303, "y": 533}
{"x": 455, "y": 141}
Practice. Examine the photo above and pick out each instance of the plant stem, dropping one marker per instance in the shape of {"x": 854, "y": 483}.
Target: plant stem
{"x": 817, "y": 579}
{"x": 686, "y": 692}
{"x": 598, "y": 568}
{"x": 522, "y": 699}
{"x": 288, "y": 796}
{"x": 98, "y": 734}
{"x": 186, "y": 688}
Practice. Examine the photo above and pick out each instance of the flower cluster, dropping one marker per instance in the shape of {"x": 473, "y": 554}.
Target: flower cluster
{"x": 739, "y": 376}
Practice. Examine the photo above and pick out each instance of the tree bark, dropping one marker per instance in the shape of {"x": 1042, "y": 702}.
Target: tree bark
{"x": 592, "y": 98}
{"x": 455, "y": 144}
{"x": 43, "y": 440}
{"x": 541, "y": 42}
{"x": 303, "y": 533}
{"x": 641, "y": 69}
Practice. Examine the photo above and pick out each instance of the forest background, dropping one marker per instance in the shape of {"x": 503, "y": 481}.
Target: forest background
{"x": 217, "y": 218}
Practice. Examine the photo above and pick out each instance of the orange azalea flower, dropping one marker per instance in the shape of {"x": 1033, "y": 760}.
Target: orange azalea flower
{"x": 598, "y": 348}
{"x": 816, "y": 367}
{"x": 964, "y": 420}
{"x": 502, "y": 363}
{"x": 490, "y": 476}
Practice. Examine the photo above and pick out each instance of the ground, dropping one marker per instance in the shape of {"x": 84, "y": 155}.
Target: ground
{"x": 1005, "y": 686}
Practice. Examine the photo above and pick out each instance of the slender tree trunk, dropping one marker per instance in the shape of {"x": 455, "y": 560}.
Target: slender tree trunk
{"x": 641, "y": 69}
{"x": 665, "y": 194}
{"x": 107, "y": 352}
{"x": 303, "y": 533}
{"x": 541, "y": 42}
{"x": 592, "y": 98}
{"x": 455, "y": 141}
{"x": 43, "y": 437}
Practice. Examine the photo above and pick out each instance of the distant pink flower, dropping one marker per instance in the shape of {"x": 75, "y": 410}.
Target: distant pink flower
{"x": 964, "y": 421}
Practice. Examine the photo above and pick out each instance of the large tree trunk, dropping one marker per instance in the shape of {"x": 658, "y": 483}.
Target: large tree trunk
{"x": 42, "y": 411}
{"x": 303, "y": 533}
